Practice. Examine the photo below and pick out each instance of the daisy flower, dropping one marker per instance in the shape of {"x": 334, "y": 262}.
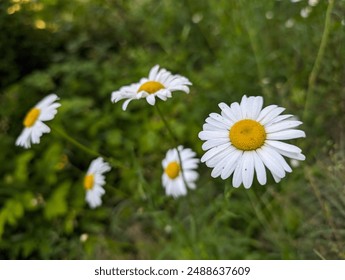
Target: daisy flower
{"x": 174, "y": 175}
{"x": 94, "y": 180}
{"x": 245, "y": 138}
{"x": 34, "y": 127}
{"x": 160, "y": 83}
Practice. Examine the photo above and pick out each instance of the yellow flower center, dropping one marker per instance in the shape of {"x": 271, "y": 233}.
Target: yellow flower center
{"x": 88, "y": 182}
{"x": 31, "y": 117}
{"x": 150, "y": 87}
{"x": 247, "y": 135}
{"x": 172, "y": 170}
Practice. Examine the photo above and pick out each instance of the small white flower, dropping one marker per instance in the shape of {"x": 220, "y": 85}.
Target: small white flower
{"x": 94, "y": 180}
{"x": 160, "y": 83}
{"x": 84, "y": 237}
{"x": 246, "y": 138}
{"x": 172, "y": 178}
{"x": 313, "y": 2}
{"x": 34, "y": 127}
{"x": 289, "y": 23}
{"x": 305, "y": 12}
{"x": 294, "y": 163}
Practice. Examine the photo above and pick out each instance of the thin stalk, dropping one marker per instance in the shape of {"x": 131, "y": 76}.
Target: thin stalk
{"x": 320, "y": 54}
{"x": 175, "y": 140}
{"x": 83, "y": 148}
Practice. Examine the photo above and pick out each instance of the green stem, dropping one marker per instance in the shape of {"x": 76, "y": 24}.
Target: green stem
{"x": 175, "y": 140}
{"x": 317, "y": 64}
{"x": 83, "y": 148}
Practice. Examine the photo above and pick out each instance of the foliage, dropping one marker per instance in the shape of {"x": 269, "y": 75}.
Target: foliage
{"x": 84, "y": 50}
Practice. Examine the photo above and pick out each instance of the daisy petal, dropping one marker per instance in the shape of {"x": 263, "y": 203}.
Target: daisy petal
{"x": 259, "y": 169}
{"x": 237, "y": 178}
{"x": 286, "y": 134}
{"x": 248, "y": 169}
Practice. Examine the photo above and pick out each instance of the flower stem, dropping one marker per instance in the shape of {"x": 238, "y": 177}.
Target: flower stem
{"x": 83, "y": 148}
{"x": 175, "y": 140}
{"x": 317, "y": 64}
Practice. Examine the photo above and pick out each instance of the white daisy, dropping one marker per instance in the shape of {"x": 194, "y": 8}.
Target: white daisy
{"x": 94, "y": 180}
{"x": 34, "y": 127}
{"x": 246, "y": 138}
{"x": 173, "y": 176}
{"x": 160, "y": 83}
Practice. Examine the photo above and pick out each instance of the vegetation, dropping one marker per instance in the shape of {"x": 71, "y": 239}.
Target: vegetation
{"x": 290, "y": 52}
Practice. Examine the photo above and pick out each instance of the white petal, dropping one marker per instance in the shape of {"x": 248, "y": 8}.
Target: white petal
{"x": 211, "y": 127}
{"x": 231, "y": 164}
{"x": 291, "y": 155}
{"x": 265, "y": 111}
{"x": 281, "y": 126}
{"x": 257, "y": 106}
{"x": 180, "y": 88}
{"x": 219, "y": 123}
{"x": 278, "y": 158}
{"x": 248, "y": 169}
{"x": 214, "y": 151}
{"x": 191, "y": 176}
{"x": 271, "y": 163}
{"x": 217, "y": 170}
{"x": 259, "y": 169}
{"x": 237, "y": 178}
{"x": 125, "y": 104}
{"x": 226, "y": 112}
{"x": 219, "y": 157}
{"x": 271, "y": 115}
{"x": 24, "y": 138}
{"x": 276, "y": 178}
{"x": 207, "y": 135}
{"x": 250, "y": 107}
{"x": 279, "y": 119}
{"x": 244, "y": 106}
{"x": 153, "y": 73}
{"x": 236, "y": 110}
{"x": 286, "y": 134}
{"x": 214, "y": 143}
{"x": 151, "y": 99}
{"x": 283, "y": 146}
{"x": 47, "y": 101}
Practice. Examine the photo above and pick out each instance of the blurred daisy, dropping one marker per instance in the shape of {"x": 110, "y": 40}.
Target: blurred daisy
{"x": 172, "y": 178}
{"x": 94, "y": 180}
{"x": 246, "y": 138}
{"x": 160, "y": 83}
{"x": 34, "y": 127}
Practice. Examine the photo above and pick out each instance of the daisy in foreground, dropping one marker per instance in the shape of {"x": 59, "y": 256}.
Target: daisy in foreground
{"x": 246, "y": 138}
{"x": 160, "y": 83}
{"x": 34, "y": 127}
{"x": 94, "y": 180}
{"x": 172, "y": 178}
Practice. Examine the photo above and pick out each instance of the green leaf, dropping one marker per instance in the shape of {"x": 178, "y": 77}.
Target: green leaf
{"x": 22, "y": 164}
{"x": 56, "y": 204}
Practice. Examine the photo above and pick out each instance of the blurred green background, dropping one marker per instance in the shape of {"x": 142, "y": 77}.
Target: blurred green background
{"x": 83, "y": 50}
